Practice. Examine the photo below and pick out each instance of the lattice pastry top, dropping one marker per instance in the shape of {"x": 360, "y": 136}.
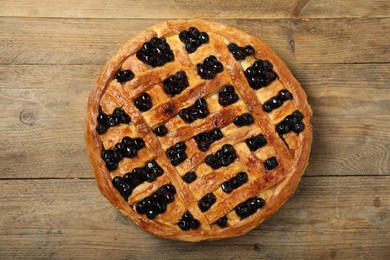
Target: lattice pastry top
{"x": 197, "y": 130}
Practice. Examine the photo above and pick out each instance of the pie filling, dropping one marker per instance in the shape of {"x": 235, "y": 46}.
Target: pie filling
{"x": 220, "y": 143}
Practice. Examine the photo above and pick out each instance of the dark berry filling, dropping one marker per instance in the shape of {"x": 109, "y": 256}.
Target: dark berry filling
{"x": 194, "y": 112}
{"x": 193, "y": 39}
{"x": 227, "y": 96}
{"x": 160, "y": 130}
{"x": 209, "y": 68}
{"x": 124, "y": 75}
{"x": 235, "y": 182}
{"x": 260, "y": 74}
{"x": 271, "y": 163}
{"x": 244, "y": 119}
{"x": 250, "y": 206}
{"x": 177, "y": 153}
{"x": 143, "y": 102}
{"x": 222, "y": 158}
{"x": 105, "y": 121}
{"x": 131, "y": 180}
{"x": 189, "y": 177}
{"x": 291, "y": 122}
{"x": 222, "y": 222}
{"x": 206, "y": 202}
{"x": 256, "y": 142}
{"x": 240, "y": 53}
{"x": 128, "y": 147}
{"x": 188, "y": 221}
{"x": 156, "y": 203}
{"x": 204, "y": 140}
{"x": 155, "y": 53}
{"x": 175, "y": 84}
{"x": 277, "y": 101}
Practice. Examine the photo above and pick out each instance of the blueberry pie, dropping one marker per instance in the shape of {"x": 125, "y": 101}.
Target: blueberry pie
{"x": 197, "y": 131}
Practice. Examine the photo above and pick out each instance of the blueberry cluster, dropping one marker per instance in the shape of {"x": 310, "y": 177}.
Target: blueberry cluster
{"x": 124, "y": 75}
{"x": 227, "y": 96}
{"x": 222, "y": 158}
{"x": 260, "y": 74}
{"x": 177, "y": 153}
{"x": 209, "y": 68}
{"x": 127, "y": 148}
{"x": 189, "y": 177}
{"x": 155, "y": 53}
{"x": 143, "y": 102}
{"x": 277, "y": 101}
{"x": 206, "y": 202}
{"x": 256, "y": 142}
{"x": 157, "y": 202}
{"x": 248, "y": 207}
{"x": 194, "y": 112}
{"x": 222, "y": 222}
{"x": 106, "y": 121}
{"x": 291, "y": 122}
{"x": 193, "y": 39}
{"x": 188, "y": 221}
{"x": 160, "y": 130}
{"x": 204, "y": 140}
{"x": 131, "y": 180}
{"x": 244, "y": 119}
{"x": 240, "y": 53}
{"x": 271, "y": 163}
{"x": 235, "y": 182}
{"x": 175, "y": 84}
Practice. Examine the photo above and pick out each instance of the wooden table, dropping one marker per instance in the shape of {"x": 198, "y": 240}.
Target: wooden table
{"x": 51, "y": 53}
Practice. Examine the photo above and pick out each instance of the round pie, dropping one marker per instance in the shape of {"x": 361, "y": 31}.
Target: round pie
{"x": 197, "y": 130}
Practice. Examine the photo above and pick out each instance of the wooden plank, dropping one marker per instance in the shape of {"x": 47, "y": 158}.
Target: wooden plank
{"x": 94, "y": 41}
{"x": 44, "y": 106}
{"x": 328, "y": 217}
{"x": 171, "y": 9}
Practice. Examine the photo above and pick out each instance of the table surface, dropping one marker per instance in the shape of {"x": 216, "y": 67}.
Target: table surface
{"x": 51, "y": 53}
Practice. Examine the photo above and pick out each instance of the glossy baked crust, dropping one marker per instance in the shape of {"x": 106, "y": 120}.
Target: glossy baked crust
{"x": 275, "y": 187}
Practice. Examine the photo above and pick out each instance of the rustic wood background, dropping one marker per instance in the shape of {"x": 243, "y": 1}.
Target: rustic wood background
{"x": 51, "y": 53}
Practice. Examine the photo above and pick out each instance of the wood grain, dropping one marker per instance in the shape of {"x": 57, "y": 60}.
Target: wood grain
{"x": 48, "y": 102}
{"x": 51, "y": 53}
{"x": 94, "y": 41}
{"x": 171, "y": 9}
{"x": 49, "y": 218}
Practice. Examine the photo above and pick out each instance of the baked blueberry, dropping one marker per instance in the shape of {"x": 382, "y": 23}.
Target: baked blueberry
{"x": 207, "y": 201}
{"x": 271, "y": 163}
{"x": 175, "y": 84}
{"x": 177, "y": 153}
{"x": 160, "y": 130}
{"x": 193, "y": 38}
{"x": 291, "y": 122}
{"x": 222, "y": 222}
{"x": 204, "y": 140}
{"x": 240, "y": 53}
{"x": 106, "y": 121}
{"x": 227, "y": 96}
{"x": 260, "y": 74}
{"x": 222, "y": 158}
{"x": 285, "y": 95}
{"x": 123, "y": 76}
{"x": 256, "y": 142}
{"x": 197, "y": 111}
{"x": 156, "y": 52}
{"x": 143, "y": 102}
{"x": 209, "y": 68}
{"x": 189, "y": 176}
{"x": 244, "y": 119}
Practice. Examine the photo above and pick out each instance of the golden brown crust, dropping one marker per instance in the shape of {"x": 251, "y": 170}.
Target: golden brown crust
{"x": 293, "y": 159}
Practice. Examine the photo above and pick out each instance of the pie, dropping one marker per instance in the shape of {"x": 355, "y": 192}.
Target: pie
{"x": 197, "y": 131}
